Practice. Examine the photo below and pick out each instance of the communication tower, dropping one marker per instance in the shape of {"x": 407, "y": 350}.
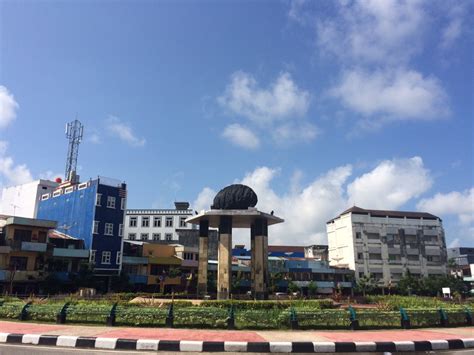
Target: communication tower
{"x": 74, "y": 131}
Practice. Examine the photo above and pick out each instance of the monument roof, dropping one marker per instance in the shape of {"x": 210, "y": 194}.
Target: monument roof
{"x": 240, "y": 218}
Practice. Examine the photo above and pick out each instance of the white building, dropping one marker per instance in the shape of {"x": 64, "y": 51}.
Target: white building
{"x": 23, "y": 200}
{"x": 386, "y": 244}
{"x": 157, "y": 225}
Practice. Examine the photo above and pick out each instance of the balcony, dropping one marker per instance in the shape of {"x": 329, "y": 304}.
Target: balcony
{"x": 189, "y": 263}
{"x": 71, "y": 253}
{"x": 395, "y": 262}
{"x": 30, "y": 246}
{"x": 135, "y": 260}
{"x": 138, "y": 279}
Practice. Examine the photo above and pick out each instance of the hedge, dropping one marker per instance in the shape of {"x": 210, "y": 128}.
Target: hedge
{"x": 259, "y": 305}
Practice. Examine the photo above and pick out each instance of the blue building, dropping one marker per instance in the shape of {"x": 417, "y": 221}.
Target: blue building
{"x": 94, "y": 212}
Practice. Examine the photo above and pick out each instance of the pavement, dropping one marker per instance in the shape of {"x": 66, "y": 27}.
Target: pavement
{"x": 284, "y": 341}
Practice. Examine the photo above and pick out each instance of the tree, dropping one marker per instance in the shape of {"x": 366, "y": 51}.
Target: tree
{"x": 409, "y": 284}
{"x": 292, "y": 287}
{"x": 366, "y": 284}
{"x": 312, "y": 288}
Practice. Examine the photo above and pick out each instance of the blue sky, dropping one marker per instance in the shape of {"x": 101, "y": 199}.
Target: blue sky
{"x": 316, "y": 105}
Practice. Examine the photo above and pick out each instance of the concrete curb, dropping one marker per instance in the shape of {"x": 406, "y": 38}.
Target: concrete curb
{"x": 234, "y": 346}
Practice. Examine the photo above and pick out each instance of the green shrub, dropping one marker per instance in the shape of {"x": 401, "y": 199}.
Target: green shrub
{"x": 11, "y": 310}
{"x": 140, "y": 316}
{"x": 260, "y": 305}
{"x": 44, "y": 312}
{"x": 209, "y": 317}
{"x": 323, "y": 319}
{"x": 262, "y": 319}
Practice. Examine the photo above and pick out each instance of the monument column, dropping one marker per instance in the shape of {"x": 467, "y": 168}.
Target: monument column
{"x": 252, "y": 258}
{"x": 224, "y": 268}
{"x": 260, "y": 259}
{"x": 203, "y": 257}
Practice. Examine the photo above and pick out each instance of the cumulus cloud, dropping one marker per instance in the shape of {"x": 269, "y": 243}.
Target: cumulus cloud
{"x": 373, "y": 31}
{"x": 241, "y": 136}
{"x": 391, "y": 184}
{"x": 455, "y": 24}
{"x": 282, "y": 99}
{"x": 8, "y": 107}
{"x": 124, "y": 132}
{"x": 291, "y": 132}
{"x": 396, "y": 94}
{"x": 307, "y": 207}
{"x": 11, "y": 173}
{"x": 458, "y": 203}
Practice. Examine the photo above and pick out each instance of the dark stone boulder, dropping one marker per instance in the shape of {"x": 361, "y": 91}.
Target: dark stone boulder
{"x": 235, "y": 197}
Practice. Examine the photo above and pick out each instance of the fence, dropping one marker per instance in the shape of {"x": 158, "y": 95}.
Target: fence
{"x": 234, "y": 318}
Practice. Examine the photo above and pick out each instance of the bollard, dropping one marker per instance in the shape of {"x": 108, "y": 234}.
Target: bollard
{"x": 231, "y": 318}
{"x": 112, "y": 315}
{"x": 170, "y": 316}
{"x": 443, "y": 318}
{"x": 353, "y": 318}
{"x": 61, "y": 316}
{"x": 293, "y": 319}
{"x": 24, "y": 311}
{"x": 468, "y": 316}
{"x": 405, "y": 319}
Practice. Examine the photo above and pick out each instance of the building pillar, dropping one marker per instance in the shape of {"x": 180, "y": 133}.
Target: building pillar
{"x": 224, "y": 263}
{"x": 260, "y": 260}
{"x": 252, "y": 258}
{"x": 203, "y": 257}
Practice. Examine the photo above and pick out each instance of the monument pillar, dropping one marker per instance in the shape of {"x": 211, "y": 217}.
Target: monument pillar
{"x": 260, "y": 260}
{"x": 252, "y": 258}
{"x": 224, "y": 267}
{"x": 203, "y": 257}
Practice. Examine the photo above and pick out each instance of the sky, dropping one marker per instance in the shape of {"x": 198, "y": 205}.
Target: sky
{"x": 316, "y": 105}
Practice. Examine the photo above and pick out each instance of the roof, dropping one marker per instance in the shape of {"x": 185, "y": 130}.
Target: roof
{"x": 240, "y": 218}
{"x": 387, "y": 213}
{"x": 33, "y": 222}
{"x": 286, "y": 248}
{"x": 55, "y": 234}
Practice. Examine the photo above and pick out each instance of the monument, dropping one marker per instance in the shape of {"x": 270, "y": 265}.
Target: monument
{"x": 234, "y": 207}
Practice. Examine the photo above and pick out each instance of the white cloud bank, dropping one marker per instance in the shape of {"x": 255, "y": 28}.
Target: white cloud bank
{"x": 241, "y": 136}
{"x": 8, "y": 107}
{"x": 124, "y": 132}
{"x": 306, "y": 209}
{"x": 11, "y": 173}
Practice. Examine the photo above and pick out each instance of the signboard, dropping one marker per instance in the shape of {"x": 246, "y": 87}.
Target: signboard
{"x": 446, "y": 291}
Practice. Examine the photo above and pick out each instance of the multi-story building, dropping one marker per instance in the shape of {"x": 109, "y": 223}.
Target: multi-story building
{"x": 387, "y": 244}
{"x": 462, "y": 256}
{"x": 157, "y": 225}
{"x": 23, "y": 200}
{"x": 94, "y": 212}
{"x": 23, "y": 248}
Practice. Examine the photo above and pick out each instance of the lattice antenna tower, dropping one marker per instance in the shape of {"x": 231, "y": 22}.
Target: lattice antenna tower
{"x": 74, "y": 131}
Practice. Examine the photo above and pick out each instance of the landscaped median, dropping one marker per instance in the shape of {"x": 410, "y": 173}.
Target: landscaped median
{"x": 294, "y": 314}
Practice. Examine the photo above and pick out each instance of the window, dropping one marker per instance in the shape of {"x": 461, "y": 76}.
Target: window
{"x": 93, "y": 256}
{"x": 132, "y": 236}
{"x": 44, "y": 197}
{"x": 361, "y": 274}
{"x": 96, "y": 227}
{"x": 69, "y": 189}
{"x": 360, "y": 256}
{"x": 122, "y": 203}
{"x": 132, "y": 222}
{"x": 188, "y": 256}
{"x": 145, "y": 221}
{"x": 82, "y": 186}
{"x": 182, "y": 222}
{"x": 98, "y": 199}
{"x": 110, "y": 202}
{"x": 156, "y": 236}
{"x": 375, "y": 256}
{"x": 120, "y": 231}
{"x": 18, "y": 262}
{"x": 118, "y": 258}
{"x": 358, "y": 235}
{"x": 413, "y": 257}
{"x": 156, "y": 221}
{"x": 144, "y": 236}
{"x": 106, "y": 257}
{"x": 394, "y": 257}
{"x": 373, "y": 236}
{"x": 432, "y": 258}
{"x": 109, "y": 229}
{"x": 168, "y": 236}
{"x": 169, "y": 222}
{"x": 57, "y": 193}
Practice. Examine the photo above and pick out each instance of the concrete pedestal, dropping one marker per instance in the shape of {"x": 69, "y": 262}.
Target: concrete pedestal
{"x": 260, "y": 260}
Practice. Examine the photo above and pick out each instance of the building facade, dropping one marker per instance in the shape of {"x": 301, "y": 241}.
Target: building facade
{"x": 387, "y": 244}
{"x": 157, "y": 225}
{"x": 94, "y": 212}
{"x": 23, "y": 200}
{"x": 462, "y": 256}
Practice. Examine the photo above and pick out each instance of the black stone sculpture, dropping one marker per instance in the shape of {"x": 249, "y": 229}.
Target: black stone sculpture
{"x": 235, "y": 197}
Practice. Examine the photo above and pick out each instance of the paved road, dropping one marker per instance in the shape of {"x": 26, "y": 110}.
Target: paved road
{"x": 46, "y": 350}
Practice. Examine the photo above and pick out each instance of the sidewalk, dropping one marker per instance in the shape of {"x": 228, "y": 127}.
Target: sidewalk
{"x": 222, "y": 340}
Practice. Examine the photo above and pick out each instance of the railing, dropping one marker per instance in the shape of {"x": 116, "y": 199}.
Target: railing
{"x": 73, "y": 253}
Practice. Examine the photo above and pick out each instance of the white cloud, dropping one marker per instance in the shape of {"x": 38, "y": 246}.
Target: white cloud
{"x": 394, "y": 94}
{"x": 295, "y": 132}
{"x": 241, "y": 136}
{"x": 373, "y": 31}
{"x": 50, "y": 175}
{"x": 391, "y": 184}
{"x": 454, "y": 28}
{"x": 280, "y": 101}
{"x": 124, "y": 132}
{"x": 8, "y": 107}
{"x": 11, "y": 173}
{"x": 456, "y": 203}
{"x": 307, "y": 207}
{"x": 94, "y": 138}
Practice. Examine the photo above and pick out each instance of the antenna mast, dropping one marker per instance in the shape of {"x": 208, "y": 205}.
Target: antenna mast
{"x": 74, "y": 132}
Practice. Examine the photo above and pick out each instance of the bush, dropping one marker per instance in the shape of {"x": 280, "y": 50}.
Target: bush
{"x": 262, "y": 319}
{"x": 11, "y": 310}
{"x": 201, "y": 317}
{"x": 330, "y": 319}
{"x": 260, "y": 305}
{"x": 414, "y": 302}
